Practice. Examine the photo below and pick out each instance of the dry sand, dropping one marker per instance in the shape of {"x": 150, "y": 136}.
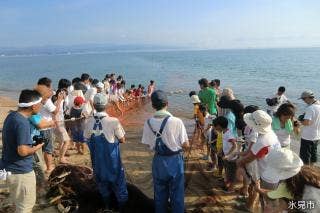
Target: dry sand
{"x": 203, "y": 189}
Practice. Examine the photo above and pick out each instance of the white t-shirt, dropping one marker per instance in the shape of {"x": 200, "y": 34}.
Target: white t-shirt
{"x": 283, "y": 137}
{"x": 281, "y": 100}
{"x": 111, "y": 127}
{"x": 265, "y": 143}
{"x": 250, "y": 136}
{"x": 227, "y": 142}
{"x": 173, "y": 136}
{"x": 47, "y": 109}
{"x": 59, "y": 116}
{"x": 312, "y": 132}
{"x": 311, "y": 193}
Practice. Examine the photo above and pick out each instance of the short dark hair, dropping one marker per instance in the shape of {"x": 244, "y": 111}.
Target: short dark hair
{"x": 76, "y": 80}
{"x": 85, "y": 76}
{"x": 204, "y": 82}
{"x": 285, "y": 109}
{"x": 159, "y": 106}
{"x": 27, "y": 96}
{"x": 64, "y": 83}
{"x": 281, "y": 89}
{"x": 151, "y": 81}
{"x": 107, "y": 76}
{"x": 220, "y": 121}
{"x": 132, "y": 86}
{"x": 45, "y": 81}
{"x": 212, "y": 83}
{"x": 251, "y": 109}
{"x": 217, "y": 81}
{"x": 192, "y": 93}
{"x": 95, "y": 81}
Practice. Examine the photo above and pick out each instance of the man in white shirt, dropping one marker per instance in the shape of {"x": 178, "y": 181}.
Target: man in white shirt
{"x": 310, "y": 133}
{"x": 279, "y": 99}
{"x": 167, "y": 136}
{"x": 103, "y": 134}
{"x": 47, "y": 112}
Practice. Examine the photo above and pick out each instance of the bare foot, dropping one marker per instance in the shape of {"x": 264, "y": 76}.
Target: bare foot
{"x": 64, "y": 161}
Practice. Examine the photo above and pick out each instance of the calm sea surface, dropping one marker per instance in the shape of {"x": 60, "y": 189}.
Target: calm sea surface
{"x": 252, "y": 74}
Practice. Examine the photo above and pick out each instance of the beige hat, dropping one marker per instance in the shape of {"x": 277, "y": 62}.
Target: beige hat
{"x": 307, "y": 94}
{"x": 195, "y": 99}
{"x": 259, "y": 120}
{"x": 281, "y": 165}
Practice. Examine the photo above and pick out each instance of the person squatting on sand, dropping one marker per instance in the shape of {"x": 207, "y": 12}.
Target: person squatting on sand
{"x": 167, "y": 136}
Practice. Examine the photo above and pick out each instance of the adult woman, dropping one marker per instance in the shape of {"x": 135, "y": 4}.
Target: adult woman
{"x": 282, "y": 124}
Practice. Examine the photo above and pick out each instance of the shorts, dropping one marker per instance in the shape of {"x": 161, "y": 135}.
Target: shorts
{"x": 230, "y": 170}
{"x": 77, "y": 135}
{"x": 253, "y": 170}
{"x": 308, "y": 151}
{"x": 61, "y": 133}
{"x": 269, "y": 186}
{"x": 47, "y": 135}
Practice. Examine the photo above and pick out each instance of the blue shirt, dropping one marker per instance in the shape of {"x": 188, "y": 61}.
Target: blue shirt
{"x": 34, "y": 122}
{"x": 16, "y": 132}
{"x": 232, "y": 123}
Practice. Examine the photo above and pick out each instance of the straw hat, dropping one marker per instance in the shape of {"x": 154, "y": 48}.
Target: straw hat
{"x": 259, "y": 120}
{"x": 281, "y": 165}
{"x": 195, "y": 99}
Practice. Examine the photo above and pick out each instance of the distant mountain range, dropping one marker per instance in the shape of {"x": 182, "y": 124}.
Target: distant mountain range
{"x": 81, "y": 49}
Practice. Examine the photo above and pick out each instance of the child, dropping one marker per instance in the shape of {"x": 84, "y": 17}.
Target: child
{"x": 228, "y": 147}
{"x": 77, "y": 127}
{"x": 250, "y": 171}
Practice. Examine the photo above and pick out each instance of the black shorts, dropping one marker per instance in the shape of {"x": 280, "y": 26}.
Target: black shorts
{"x": 230, "y": 170}
{"x": 308, "y": 151}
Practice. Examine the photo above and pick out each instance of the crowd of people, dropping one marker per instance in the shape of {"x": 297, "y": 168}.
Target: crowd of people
{"x": 253, "y": 146}
{"x": 49, "y": 122}
{"x": 242, "y": 144}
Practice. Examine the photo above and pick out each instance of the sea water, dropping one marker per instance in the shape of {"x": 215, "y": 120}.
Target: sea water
{"x": 253, "y": 74}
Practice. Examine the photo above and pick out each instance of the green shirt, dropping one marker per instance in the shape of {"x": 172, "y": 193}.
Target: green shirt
{"x": 208, "y": 97}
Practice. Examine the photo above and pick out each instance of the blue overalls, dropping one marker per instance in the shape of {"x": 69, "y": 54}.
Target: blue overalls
{"x": 168, "y": 175}
{"x": 107, "y": 166}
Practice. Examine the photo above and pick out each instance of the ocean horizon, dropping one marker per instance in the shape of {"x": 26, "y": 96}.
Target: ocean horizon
{"x": 253, "y": 74}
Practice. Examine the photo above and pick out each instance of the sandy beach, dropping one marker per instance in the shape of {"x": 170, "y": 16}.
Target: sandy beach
{"x": 203, "y": 190}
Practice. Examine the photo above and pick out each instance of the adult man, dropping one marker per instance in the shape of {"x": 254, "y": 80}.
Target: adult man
{"x": 104, "y": 134}
{"x": 167, "y": 136}
{"x": 276, "y": 101}
{"x": 310, "y": 133}
{"x": 208, "y": 96}
{"x": 18, "y": 151}
{"x": 47, "y": 112}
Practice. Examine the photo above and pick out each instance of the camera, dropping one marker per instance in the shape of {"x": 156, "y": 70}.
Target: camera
{"x": 38, "y": 139}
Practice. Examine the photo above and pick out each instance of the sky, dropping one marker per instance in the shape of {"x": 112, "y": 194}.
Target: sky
{"x": 207, "y": 24}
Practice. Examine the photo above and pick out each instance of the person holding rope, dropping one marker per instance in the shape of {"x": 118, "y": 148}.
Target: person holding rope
{"x": 18, "y": 151}
{"x": 167, "y": 136}
{"x": 104, "y": 134}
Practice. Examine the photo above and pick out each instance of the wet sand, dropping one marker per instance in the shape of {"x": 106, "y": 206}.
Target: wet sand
{"x": 203, "y": 189}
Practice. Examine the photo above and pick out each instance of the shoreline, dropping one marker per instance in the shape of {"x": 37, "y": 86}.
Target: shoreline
{"x": 202, "y": 192}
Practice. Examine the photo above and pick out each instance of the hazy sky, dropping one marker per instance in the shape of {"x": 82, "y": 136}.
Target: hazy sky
{"x": 188, "y": 23}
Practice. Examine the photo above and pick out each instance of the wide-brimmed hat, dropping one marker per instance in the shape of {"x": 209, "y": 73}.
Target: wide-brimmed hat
{"x": 259, "y": 120}
{"x": 195, "y": 99}
{"x": 281, "y": 192}
{"x": 281, "y": 165}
